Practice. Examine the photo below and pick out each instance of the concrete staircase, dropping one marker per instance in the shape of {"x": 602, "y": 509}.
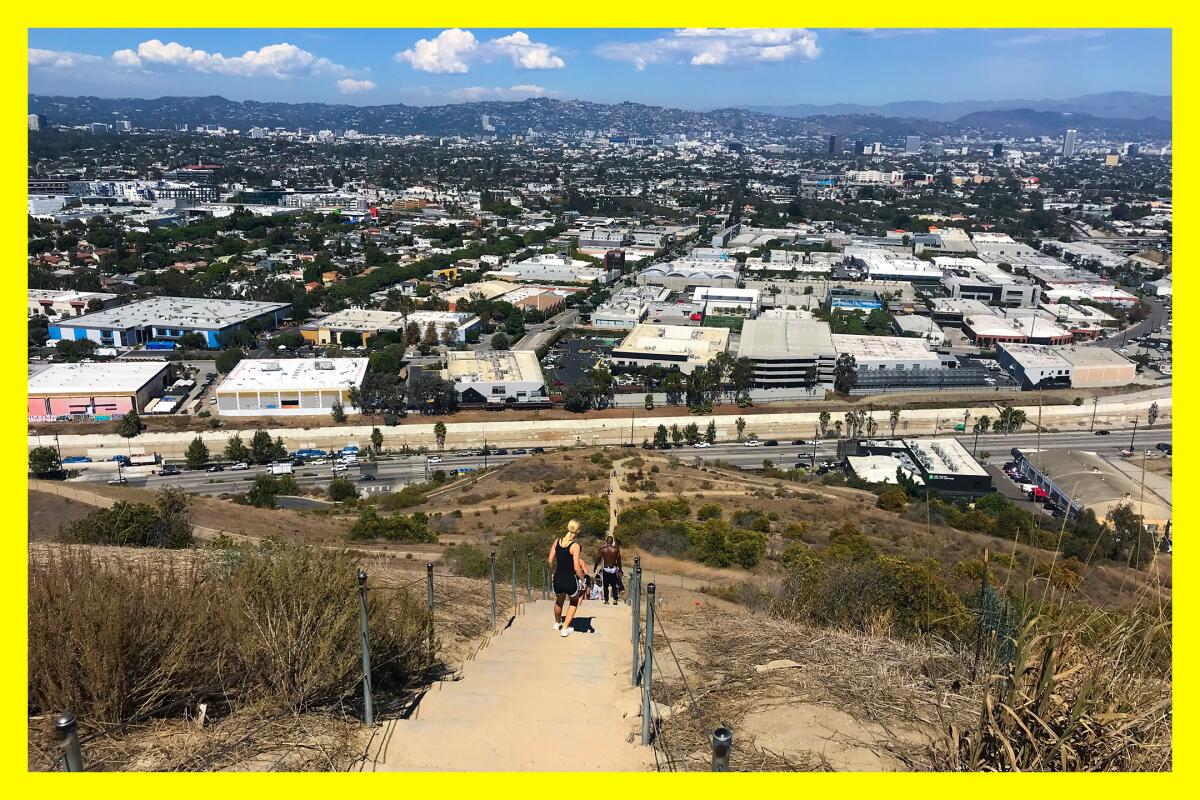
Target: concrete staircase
{"x": 529, "y": 701}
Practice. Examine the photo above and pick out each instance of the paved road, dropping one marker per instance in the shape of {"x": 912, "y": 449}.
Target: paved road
{"x": 1158, "y": 316}
{"x": 394, "y": 473}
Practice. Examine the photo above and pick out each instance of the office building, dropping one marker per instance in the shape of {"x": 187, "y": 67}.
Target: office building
{"x": 835, "y": 145}
{"x": 1068, "y": 149}
{"x": 941, "y": 463}
{"x": 37, "y": 122}
{"x": 788, "y": 352}
{"x": 912, "y": 145}
{"x": 169, "y": 318}
{"x": 108, "y": 389}
{"x": 628, "y": 307}
{"x": 1040, "y": 367}
{"x": 53, "y": 303}
{"x": 858, "y": 147}
{"x": 368, "y": 323}
{"x": 289, "y": 387}
{"x": 997, "y": 150}
{"x": 670, "y": 346}
{"x": 508, "y": 378}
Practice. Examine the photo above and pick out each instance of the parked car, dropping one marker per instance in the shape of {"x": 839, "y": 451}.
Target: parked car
{"x": 538, "y": 450}
{"x": 76, "y": 460}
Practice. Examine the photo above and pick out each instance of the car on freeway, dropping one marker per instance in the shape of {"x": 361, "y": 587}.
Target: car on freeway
{"x": 538, "y": 450}
{"x": 519, "y": 451}
{"x": 702, "y": 444}
{"x": 750, "y": 443}
{"x": 1164, "y": 447}
{"x": 166, "y": 471}
{"x": 76, "y": 460}
{"x": 119, "y": 482}
{"x": 366, "y": 476}
{"x": 214, "y": 468}
{"x": 241, "y": 465}
{"x": 771, "y": 443}
{"x": 799, "y": 441}
{"x": 1101, "y": 432}
{"x": 319, "y": 462}
{"x": 339, "y": 467}
{"x": 433, "y": 460}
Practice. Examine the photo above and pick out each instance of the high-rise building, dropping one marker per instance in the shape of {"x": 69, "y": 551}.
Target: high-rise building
{"x": 1132, "y": 150}
{"x": 124, "y": 125}
{"x": 1068, "y": 150}
{"x": 912, "y": 145}
{"x": 36, "y": 122}
{"x": 877, "y": 148}
{"x": 486, "y": 122}
{"x": 835, "y": 145}
{"x": 997, "y": 150}
{"x": 858, "y": 147}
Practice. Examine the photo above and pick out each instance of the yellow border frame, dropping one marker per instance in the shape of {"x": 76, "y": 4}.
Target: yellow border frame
{"x": 542, "y": 14}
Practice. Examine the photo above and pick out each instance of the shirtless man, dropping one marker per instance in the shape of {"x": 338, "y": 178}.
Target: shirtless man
{"x": 609, "y": 560}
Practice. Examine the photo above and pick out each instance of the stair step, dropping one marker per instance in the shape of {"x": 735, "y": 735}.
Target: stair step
{"x": 544, "y": 707}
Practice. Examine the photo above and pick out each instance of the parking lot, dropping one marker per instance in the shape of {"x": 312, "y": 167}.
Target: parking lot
{"x": 572, "y": 358}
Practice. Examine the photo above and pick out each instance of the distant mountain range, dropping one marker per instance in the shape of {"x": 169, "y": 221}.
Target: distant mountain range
{"x": 1115, "y": 105}
{"x": 573, "y": 117}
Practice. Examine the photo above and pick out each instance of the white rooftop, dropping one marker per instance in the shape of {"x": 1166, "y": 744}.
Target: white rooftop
{"x": 293, "y": 374}
{"x": 464, "y": 366}
{"x": 113, "y": 377}
{"x": 177, "y": 312}
{"x": 944, "y": 456}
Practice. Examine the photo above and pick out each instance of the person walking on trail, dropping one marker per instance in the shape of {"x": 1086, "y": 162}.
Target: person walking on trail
{"x": 609, "y": 562}
{"x": 569, "y": 572}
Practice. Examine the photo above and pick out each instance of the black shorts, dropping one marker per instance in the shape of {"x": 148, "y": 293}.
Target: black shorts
{"x": 567, "y": 584}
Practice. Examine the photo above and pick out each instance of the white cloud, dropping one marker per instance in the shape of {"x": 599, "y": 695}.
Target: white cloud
{"x": 59, "y": 59}
{"x": 351, "y": 86}
{"x": 1050, "y": 36}
{"x": 446, "y": 52}
{"x": 521, "y": 91}
{"x": 454, "y": 50}
{"x": 526, "y": 53}
{"x": 272, "y": 61}
{"x": 717, "y": 47}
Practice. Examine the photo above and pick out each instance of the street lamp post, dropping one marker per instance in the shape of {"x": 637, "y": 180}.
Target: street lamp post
{"x": 1134, "y": 434}
{"x": 1095, "y": 407}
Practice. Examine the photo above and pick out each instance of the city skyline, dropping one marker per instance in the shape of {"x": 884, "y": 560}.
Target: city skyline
{"x": 685, "y": 68}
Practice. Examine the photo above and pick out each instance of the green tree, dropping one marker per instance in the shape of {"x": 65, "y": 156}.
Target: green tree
{"x": 341, "y": 489}
{"x": 691, "y": 433}
{"x": 1133, "y": 542}
{"x": 196, "y": 455}
{"x": 710, "y": 433}
{"x": 377, "y": 440}
{"x": 193, "y": 341}
{"x": 660, "y": 436}
{"x": 228, "y": 359}
{"x": 845, "y": 373}
{"x": 262, "y": 448}
{"x": 1152, "y": 415}
{"x": 439, "y": 433}
{"x": 44, "y": 460}
{"x": 823, "y": 422}
{"x": 129, "y": 427}
{"x": 893, "y": 499}
{"x": 350, "y": 339}
{"x": 676, "y": 435}
{"x": 337, "y": 413}
{"x": 235, "y": 450}
{"x": 499, "y": 341}
{"x": 740, "y": 424}
{"x": 262, "y": 493}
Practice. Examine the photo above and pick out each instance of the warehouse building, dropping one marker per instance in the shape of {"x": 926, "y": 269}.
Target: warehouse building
{"x": 289, "y": 387}
{"x": 1038, "y": 366}
{"x": 369, "y": 322}
{"x": 169, "y": 318}
{"x": 109, "y": 389}
{"x": 627, "y": 307}
{"x": 509, "y": 378}
{"x": 489, "y": 290}
{"x": 788, "y": 352}
{"x": 678, "y": 346}
{"x": 887, "y": 353}
{"x": 556, "y": 267}
{"x": 915, "y": 325}
{"x": 942, "y": 463}
{"x": 987, "y": 283}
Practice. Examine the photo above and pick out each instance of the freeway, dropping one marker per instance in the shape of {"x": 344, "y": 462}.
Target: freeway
{"x": 394, "y": 472}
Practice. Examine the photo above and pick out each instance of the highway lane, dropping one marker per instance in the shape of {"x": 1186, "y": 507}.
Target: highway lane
{"x": 393, "y": 473}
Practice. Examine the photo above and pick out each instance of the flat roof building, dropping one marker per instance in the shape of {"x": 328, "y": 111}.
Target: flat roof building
{"x": 679, "y": 346}
{"x": 369, "y": 322}
{"x": 510, "y": 378}
{"x": 171, "y": 318}
{"x": 1039, "y": 366}
{"x": 102, "y": 389}
{"x": 887, "y": 352}
{"x": 489, "y": 289}
{"x": 788, "y": 352}
{"x": 941, "y": 462}
{"x": 68, "y": 303}
{"x": 916, "y": 325}
{"x": 289, "y": 387}
{"x": 627, "y": 307}
{"x": 556, "y": 267}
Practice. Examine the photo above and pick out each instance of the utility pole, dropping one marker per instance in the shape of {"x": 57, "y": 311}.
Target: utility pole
{"x": 485, "y": 449}
{"x": 632, "y": 417}
{"x": 1134, "y": 434}
{"x": 1095, "y": 406}
{"x": 1039, "y": 432}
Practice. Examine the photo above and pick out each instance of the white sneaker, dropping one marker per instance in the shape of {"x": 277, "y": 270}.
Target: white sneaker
{"x": 558, "y": 626}
{"x": 566, "y": 632}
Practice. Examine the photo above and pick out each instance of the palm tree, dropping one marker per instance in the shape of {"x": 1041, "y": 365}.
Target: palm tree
{"x": 439, "y": 433}
{"x": 741, "y": 427}
{"x": 894, "y": 418}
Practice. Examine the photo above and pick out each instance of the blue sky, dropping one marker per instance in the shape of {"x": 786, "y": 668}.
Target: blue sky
{"x": 686, "y": 68}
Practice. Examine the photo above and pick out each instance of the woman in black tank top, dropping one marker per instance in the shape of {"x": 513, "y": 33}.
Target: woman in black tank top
{"x": 566, "y": 561}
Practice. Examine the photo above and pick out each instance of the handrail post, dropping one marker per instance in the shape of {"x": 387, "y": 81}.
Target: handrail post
{"x": 513, "y": 556}
{"x": 529, "y": 577}
{"x": 429, "y": 600}
{"x": 67, "y": 734}
{"x": 368, "y": 707}
{"x": 493, "y": 563}
{"x": 545, "y": 582}
{"x": 648, "y": 667}
{"x": 722, "y": 743}
{"x": 635, "y": 599}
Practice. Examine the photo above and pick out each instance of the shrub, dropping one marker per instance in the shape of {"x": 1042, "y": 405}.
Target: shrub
{"x": 341, "y": 489}
{"x": 397, "y": 527}
{"x": 592, "y": 513}
{"x": 276, "y": 627}
{"x": 892, "y": 499}
{"x": 709, "y": 511}
{"x": 164, "y": 524}
{"x": 407, "y": 497}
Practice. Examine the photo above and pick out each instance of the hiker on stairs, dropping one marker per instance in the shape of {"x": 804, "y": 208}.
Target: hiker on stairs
{"x": 608, "y": 561}
{"x": 569, "y": 574}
